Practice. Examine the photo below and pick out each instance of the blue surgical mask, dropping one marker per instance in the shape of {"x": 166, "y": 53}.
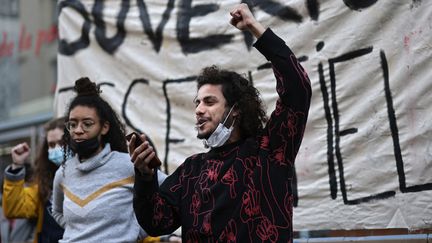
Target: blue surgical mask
{"x": 221, "y": 134}
{"x": 56, "y": 155}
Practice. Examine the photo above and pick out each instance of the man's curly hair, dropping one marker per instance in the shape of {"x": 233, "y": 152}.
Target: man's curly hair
{"x": 238, "y": 90}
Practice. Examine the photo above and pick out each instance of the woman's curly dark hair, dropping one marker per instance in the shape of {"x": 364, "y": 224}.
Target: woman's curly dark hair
{"x": 44, "y": 169}
{"x": 238, "y": 90}
{"x": 88, "y": 95}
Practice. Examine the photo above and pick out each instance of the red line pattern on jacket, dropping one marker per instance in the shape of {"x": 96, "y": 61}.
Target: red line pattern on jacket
{"x": 240, "y": 192}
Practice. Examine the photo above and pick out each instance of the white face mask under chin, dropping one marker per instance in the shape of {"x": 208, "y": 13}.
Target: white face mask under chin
{"x": 220, "y": 135}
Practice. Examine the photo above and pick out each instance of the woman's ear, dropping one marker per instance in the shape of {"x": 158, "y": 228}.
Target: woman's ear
{"x": 105, "y": 128}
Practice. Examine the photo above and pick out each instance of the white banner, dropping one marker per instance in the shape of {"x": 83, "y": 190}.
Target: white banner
{"x": 366, "y": 158}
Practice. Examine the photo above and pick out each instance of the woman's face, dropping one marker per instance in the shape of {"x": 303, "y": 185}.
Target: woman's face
{"x": 84, "y": 123}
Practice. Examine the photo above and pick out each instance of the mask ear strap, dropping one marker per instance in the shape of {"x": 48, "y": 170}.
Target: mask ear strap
{"x": 232, "y": 125}
{"x": 226, "y": 118}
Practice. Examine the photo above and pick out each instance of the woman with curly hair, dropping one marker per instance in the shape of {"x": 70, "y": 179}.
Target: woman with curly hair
{"x": 93, "y": 191}
{"x": 34, "y": 201}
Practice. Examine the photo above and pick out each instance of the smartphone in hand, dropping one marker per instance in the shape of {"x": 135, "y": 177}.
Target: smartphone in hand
{"x": 155, "y": 162}
{"x": 138, "y": 140}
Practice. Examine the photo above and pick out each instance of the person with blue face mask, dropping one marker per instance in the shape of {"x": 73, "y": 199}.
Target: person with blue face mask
{"x": 57, "y": 155}
{"x": 240, "y": 190}
{"x": 34, "y": 201}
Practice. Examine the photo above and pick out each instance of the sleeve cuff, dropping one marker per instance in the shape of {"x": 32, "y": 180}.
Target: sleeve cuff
{"x": 143, "y": 187}
{"x": 269, "y": 44}
{"x": 14, "y": 175}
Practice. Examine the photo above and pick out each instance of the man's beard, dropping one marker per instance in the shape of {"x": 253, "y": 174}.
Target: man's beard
{"x": 204, "y": 135}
